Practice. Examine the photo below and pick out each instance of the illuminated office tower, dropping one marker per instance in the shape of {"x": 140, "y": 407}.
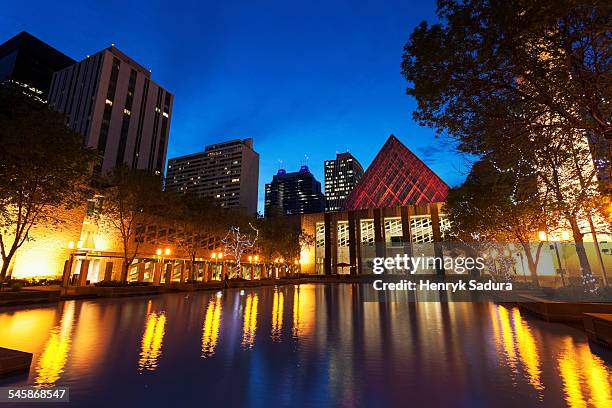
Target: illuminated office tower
{"x": 111, "y": 100}
{"x": 226, "y": 171}
{"x": 341, "y": 176}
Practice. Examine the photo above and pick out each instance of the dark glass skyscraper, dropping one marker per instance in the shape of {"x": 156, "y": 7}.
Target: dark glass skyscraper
{"x": 293, "y": 193}
{"x": 31, "y": 63}
{"x": 341, "y": 176}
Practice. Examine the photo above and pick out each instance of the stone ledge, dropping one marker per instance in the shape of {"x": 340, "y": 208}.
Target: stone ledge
{"x": 25, "y": 297}
{"x": 13, "y": 362}
{"x": 558, "y": 311}
{"x": 598, "y": 327}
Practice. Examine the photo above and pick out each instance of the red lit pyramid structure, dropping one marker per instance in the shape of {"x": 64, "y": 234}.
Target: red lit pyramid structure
{"x": 396, "y": 177}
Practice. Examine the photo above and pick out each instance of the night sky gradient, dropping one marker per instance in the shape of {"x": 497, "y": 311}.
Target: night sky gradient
{"x": 300, "y": 77}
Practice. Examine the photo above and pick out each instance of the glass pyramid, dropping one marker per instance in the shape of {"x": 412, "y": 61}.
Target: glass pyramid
{"x": 396, "y": 177}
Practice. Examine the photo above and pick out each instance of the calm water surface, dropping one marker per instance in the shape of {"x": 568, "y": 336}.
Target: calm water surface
{"x": 304, "y": 345}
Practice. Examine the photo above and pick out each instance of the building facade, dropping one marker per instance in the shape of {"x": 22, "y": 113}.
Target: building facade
{"x": 348, "y": 241}
{"x": 341, "y": 176}
{"x": 294, "y": 193}
{"x": 31, "y": 63}
{"x": 227, "y": 172}
{"x": 111, "y": 100}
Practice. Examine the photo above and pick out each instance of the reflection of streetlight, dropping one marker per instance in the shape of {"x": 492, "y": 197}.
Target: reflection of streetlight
{"x": 167, "y": 252}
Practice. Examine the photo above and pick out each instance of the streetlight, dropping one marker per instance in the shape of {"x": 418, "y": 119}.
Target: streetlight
{"x": 215, "y": 256}
{"x": 160, "y": 258}
{"x": 544, "y": 238}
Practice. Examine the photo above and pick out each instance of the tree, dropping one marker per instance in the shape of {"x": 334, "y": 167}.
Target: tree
{"x": 200, "y": 222}
{"x": 488, "y": 66}
{"x": 44, "y": 167}
{"x": 283, "y": 237}
{"x": 521, "y": 78}
{"x": 132, "y": 199}
{"x": 236, "y": 243}
{"x": 496, "y": 205}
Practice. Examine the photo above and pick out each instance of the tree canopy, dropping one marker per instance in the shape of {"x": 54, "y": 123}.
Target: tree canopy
{"x": 43, "y": 167}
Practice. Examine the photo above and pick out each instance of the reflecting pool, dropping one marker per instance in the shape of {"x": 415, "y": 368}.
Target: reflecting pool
{"x": 304, "y": 345}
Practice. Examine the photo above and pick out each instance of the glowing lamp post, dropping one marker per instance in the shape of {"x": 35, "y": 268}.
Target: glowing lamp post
{"x": 297, "y": 265}
{"x": 543, "y": 236}
{"x": 213, "y": 256}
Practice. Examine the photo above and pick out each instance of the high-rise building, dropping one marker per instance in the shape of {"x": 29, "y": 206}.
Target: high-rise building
{"x": 31, "y": 63}
{"x": 396, "y": 177}
{"x": 294, "y": 193}
{"x": 111, "y": 100}
{"x": 341, "y": 176}
{"x": 227, "y": 172}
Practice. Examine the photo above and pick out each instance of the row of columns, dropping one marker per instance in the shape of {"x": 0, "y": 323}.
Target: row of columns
{"x": 378, "y": 215}
{"x": 167, "y": 269}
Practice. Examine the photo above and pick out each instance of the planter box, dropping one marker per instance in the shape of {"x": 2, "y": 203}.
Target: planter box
{"x": 598, "y": 327}
{"x": 557, "y": 311}
{"x": 14, "y": 362}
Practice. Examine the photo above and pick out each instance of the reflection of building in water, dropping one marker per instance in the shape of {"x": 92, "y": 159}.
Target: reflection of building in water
{"x": 53, "y": 358}
{"x": 210, "y": 331}
{"x": 250, "y": 321}
{"x": 586, "y": 381}
{"x": 277, "y": 314}
{"x": 152, "y": 340}
{"x": 303, "y": 310}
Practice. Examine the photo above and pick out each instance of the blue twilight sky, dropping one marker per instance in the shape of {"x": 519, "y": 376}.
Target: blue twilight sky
{"x": 300, "y": 77}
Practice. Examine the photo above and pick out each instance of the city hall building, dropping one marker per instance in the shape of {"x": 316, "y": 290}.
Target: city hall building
{"x": 395, "y": 209}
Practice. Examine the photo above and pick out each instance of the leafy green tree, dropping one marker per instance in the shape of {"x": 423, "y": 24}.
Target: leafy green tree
{"x": 488, "y": 66}
{"x": 495, "y": 205}
{"x": 200, "y": 221}
{"x": 520, "y": 80}
{"x": 43, "y": 167}
{"x": 282, "y": 236}
{"x": 133, "y": 198}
